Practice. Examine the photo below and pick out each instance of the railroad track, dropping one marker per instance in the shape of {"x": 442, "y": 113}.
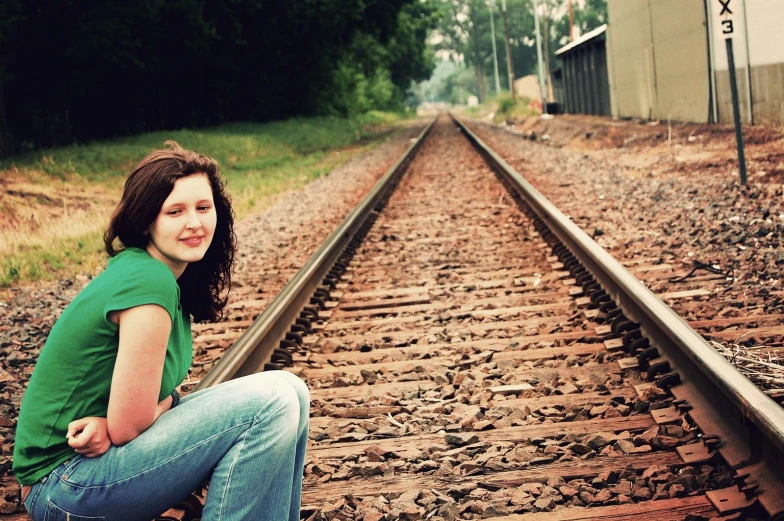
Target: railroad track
{"x": 472, "y": 354}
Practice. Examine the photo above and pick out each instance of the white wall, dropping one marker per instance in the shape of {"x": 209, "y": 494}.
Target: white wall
{"x": 766, "y": 31}
{"x": 764, "y": 20}
{"x": 658, "y": 57}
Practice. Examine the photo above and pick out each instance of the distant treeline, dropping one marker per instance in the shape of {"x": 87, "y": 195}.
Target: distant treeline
{"x": 77, "y": 70}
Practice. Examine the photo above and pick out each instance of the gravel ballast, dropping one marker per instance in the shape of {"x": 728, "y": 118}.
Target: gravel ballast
{"x": 281, "y": 238}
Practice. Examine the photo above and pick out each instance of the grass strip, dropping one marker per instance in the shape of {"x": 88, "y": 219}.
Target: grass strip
{"x": 53, "y": 234}
{"x": 503, "y": 108}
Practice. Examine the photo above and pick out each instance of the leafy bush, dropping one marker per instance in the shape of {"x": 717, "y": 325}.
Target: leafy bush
{"x": 506, "y": 103}
{"x": 356, "y": 92}
{"x": 509, "y": 108}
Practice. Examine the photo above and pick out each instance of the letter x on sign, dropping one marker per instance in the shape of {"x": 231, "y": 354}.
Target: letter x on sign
{"x": 725, "y": 7}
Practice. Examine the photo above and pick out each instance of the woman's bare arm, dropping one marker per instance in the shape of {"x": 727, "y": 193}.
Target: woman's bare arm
{"x": 90, "y": 436}
{"x": 133, "y": 402}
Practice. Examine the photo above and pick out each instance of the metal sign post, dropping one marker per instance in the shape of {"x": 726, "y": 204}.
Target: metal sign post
{"x": 727, "y": 30}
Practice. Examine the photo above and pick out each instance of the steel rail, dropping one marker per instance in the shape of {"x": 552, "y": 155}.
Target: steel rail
{"x": 725, "y": 403}
{"x": 249, "y": 353}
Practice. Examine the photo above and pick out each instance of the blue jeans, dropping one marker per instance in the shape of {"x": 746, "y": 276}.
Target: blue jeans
{"x": 247, "y": 436}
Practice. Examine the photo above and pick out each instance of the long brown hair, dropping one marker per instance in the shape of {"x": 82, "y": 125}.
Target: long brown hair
{"x": 204, "y": 284}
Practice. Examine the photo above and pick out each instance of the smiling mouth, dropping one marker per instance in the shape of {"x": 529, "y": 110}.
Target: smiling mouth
{"x": 192, "y": 241}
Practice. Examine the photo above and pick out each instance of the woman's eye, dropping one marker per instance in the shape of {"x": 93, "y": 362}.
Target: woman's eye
{"x": 173, "y": 212}
{"x": 204, "y": 208}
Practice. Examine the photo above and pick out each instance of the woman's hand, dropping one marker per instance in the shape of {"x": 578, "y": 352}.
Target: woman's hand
{"x": 89, "y": 436}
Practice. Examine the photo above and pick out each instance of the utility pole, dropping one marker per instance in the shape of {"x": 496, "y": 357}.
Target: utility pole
{"x": 546, "y": 46}
{"x": 509, "y": 68}
{"x": 539, "y": 60}
{"x": 571, "y": 21}
{"x": 490, "y": 6}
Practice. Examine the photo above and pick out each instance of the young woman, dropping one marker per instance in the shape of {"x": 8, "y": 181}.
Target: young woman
{"x": 102, "y": 433}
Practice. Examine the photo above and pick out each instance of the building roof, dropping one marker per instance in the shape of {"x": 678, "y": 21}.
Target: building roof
{"x": 583, "y": 39}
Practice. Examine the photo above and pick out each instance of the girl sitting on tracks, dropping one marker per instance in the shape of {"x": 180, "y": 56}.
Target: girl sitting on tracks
{"x": 102, "y": 432}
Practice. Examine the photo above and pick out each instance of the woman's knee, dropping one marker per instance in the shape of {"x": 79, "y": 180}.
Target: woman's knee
{"x": 298, "y": 390}
{"x": 300, "y": 387}
{"x": 264, "y": 392}
{"x": 271, "y": 396}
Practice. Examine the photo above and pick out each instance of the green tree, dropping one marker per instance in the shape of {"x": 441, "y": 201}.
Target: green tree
{"x": 458, "y": 86}
{"x": 466, "y": 35}
{"x": 11, "y": 16}
{"x": 522, "y": 35}
{"x": 376, "y": 72}
{"x": 73, "y": 71}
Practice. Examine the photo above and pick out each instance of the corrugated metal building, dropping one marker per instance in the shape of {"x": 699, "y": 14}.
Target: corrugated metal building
{"x": 665, "y": 59}
{"x": 582, "y": 81}
{"x": 659, "y": 64}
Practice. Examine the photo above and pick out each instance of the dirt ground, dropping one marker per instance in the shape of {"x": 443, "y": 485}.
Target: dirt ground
{"x": 27, "y": 206}
{"x": 658, "y": 148}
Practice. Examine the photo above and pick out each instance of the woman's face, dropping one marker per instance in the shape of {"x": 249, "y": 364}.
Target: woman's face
{"x": 185, "y": 225}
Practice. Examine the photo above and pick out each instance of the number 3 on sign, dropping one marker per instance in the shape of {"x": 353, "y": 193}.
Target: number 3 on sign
{"x": 727, "y": 27}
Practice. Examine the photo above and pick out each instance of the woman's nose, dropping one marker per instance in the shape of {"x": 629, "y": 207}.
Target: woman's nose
{"x": 193, "y": 221}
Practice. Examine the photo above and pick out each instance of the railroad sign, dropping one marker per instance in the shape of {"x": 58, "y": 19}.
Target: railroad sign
{"x": 728, "y": 21}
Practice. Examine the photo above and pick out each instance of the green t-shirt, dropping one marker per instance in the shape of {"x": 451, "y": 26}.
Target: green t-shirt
{"x": 73, "y": 375}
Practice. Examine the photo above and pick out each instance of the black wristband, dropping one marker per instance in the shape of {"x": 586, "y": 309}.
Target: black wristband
{"x": 175, "y": 398}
